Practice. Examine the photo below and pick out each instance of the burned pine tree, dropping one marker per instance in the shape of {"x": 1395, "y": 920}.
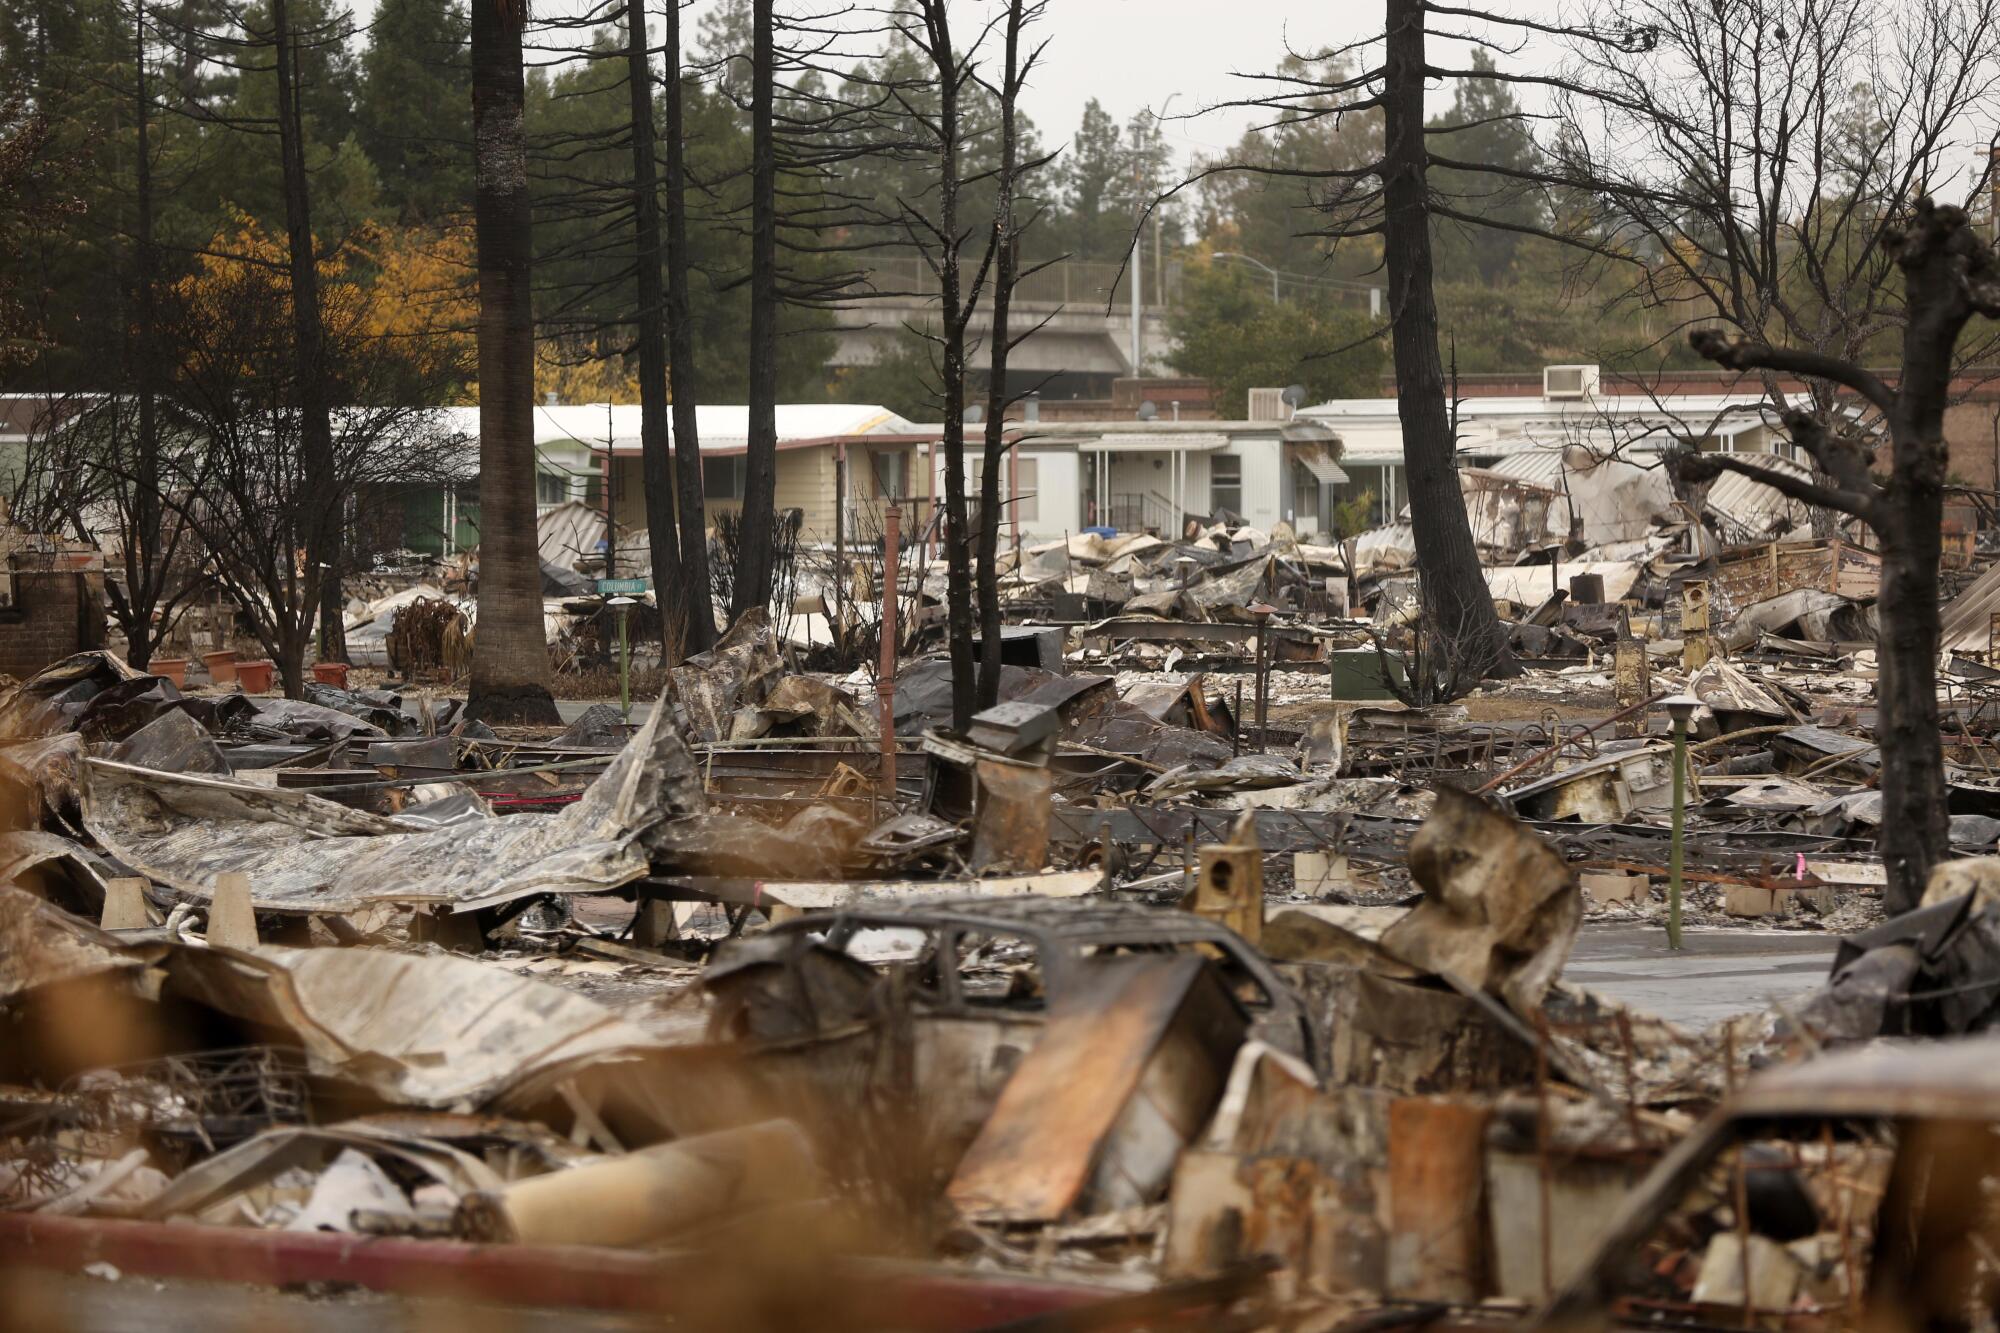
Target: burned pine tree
{"x": 939, "y": 233}
{"x": 323, "y": 528}
{"x": 1746, "y": 158}
{"x": 93, "y": 460}
{"x": 656, "y": 460}
{"x": 1004, "y": 248}
{"x": 1754, "y": 162}
{"x": 698, "y": 631}
{"x": 1398, "y": 198}
{"x": 722, "y": 282}
{"x": 1949, "y": 274}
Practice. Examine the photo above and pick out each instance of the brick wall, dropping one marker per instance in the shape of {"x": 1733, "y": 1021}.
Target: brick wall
{"x": 54, "y": 614}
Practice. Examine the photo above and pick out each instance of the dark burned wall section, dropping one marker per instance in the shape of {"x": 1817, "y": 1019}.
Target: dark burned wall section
{"x": 45, "y": 615}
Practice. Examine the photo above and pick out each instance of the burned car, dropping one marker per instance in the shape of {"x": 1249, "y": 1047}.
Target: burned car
{"x": 974, "y": 957}
{"x": 1034, "y": 1058}
{"x": 1859, "y": 1189}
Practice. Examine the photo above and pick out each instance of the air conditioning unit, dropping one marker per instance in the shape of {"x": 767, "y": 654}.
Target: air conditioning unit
{"x": 1569, "y": 382}
{"x": 1269, "y": 405}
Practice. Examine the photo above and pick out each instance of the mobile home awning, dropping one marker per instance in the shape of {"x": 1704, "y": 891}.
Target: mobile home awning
{"x": 1195, "y": 442}
{"x": 1324, "y": 469}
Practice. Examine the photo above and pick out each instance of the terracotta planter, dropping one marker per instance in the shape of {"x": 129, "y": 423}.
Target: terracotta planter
{"x": 255, "y": 677}
{"x": 174, "y": 669}
{"x": 221, "y": 667}
{"x": 331, "y": 673}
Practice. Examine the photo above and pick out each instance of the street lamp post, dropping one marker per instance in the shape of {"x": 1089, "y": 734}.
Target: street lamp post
{"x": 1231, "y": 254}
{"x": 1680, "y": 709}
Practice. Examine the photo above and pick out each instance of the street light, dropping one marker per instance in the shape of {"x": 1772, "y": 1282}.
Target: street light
{"x": 1680, "y": 709}
{"x": 1231, "y": 254}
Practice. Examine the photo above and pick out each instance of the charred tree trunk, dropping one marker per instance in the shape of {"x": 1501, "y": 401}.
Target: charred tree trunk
{"x": 1456, "y": 604}
{"x": 510, "y": 656}
{"x": 1949, "y": 275}
{"x": 145, "y": 570}
{"x": 951, "y": 308}
{"x": 1006, "y": 272}
{"x": 1916, "y": 822}
{"x": 754, "y": 557}
{"x": 315, "y": 426}
{"x": 332, "y": 602}
{"x": 1940, "y": 254}
{"x": 288, "y": 654}
{"x": 655, "y": 448}
{"x": 699, "y": 634}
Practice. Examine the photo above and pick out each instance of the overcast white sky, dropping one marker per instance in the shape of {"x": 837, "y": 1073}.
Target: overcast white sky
{"x": 1133, "y": 54}
{"x": 1130, "y": 54}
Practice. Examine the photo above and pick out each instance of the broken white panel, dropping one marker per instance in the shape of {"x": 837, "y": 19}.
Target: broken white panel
{"x": 431, "y": 1030}
{"x": 304, "y": 853}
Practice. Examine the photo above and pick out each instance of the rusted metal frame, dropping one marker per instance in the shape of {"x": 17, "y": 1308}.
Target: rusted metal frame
{"x": 1172, "y": 1300}
{"x": 885, "y": 679}
{"x": 573, "y": 1277}
{"x": 1596, "y": 726}
{"x": 1276, "y": 829}
{"x": 1545, "y": 1201}
{"x": 1626, "y": 1052}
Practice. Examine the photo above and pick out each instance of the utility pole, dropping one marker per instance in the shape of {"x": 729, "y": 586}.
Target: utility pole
{"x": 1137, "y": 305}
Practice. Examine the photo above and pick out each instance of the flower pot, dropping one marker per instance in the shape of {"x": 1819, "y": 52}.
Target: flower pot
{"x": 255, "y": 677}
{"x": 174, "y": 669}
{"x": 221, "y": 666}
{"x": 331, "y": 673}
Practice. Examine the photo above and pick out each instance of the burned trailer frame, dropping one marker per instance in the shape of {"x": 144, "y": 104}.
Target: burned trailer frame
{"x": 1064, "y": 934}
{"x": 1929, "y": 1099}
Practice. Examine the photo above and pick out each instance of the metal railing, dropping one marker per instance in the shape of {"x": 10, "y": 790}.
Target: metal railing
{"x": 1143, "y": 511}
{"x": 1085, "y": 284}
{"x": 1082, "y": 283}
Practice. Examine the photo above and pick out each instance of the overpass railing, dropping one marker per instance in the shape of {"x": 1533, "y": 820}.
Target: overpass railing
{"x": 1082, "y": 283}
{"x": 1086, "y": 284}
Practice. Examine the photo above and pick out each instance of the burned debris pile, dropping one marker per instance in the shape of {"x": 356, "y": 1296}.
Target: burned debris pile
{"x": 1215, "y": 961}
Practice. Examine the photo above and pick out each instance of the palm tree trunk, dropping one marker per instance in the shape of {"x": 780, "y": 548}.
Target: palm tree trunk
{"x": 510, "y": 656}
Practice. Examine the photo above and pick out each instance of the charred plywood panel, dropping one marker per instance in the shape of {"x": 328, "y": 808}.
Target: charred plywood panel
{"x": 1756, "y": 574}
{"x": 1130, "y": 1067}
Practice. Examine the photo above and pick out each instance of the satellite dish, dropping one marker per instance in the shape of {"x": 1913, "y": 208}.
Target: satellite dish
{"x": 1148, "y": 410}
{"x": 975, "y": 414}
{"x": 1294, "y": 395}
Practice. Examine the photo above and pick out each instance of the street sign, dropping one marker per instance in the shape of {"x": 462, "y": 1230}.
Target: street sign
{"x": 626, "y": 586}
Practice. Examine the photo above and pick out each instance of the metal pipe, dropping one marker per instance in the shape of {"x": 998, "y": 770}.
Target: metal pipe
{"x": 1263, "y": 678}
{"x": 1680, "y": 833}
{"x": 833, "y": 620}
{"x": 625, "y": 662}
{"x": 885, "y": 679}
{"x": 1137, "y": 304}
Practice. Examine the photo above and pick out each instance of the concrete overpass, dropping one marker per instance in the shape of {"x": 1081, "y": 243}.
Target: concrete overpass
{"x": 1067, "y": 299}
{"x": 1075, "y": 335}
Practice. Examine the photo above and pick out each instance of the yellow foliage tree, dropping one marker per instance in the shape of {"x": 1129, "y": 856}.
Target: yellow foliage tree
{"x": 577, "y": 372}
{"x": 380, "y": 283}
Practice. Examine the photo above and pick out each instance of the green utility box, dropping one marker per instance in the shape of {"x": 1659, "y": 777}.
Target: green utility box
{"x": 1356, "y": 673}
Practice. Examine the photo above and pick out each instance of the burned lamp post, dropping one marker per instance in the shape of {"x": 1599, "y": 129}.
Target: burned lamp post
{"x": 624, "y": 607}
{"x": 1680, "y": 710}
{"x": 1261, "y": 611}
